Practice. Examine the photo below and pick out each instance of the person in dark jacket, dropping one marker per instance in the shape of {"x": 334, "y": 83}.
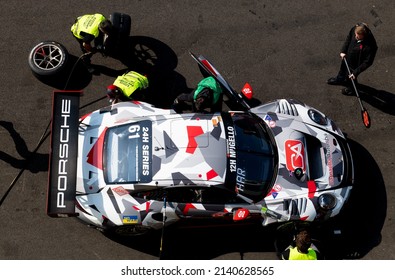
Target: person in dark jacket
{"x": 207, "y": 95}
{"x": 359, "y": 50}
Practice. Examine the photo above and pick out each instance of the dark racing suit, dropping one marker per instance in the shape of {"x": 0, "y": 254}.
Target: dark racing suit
{"x": 360, "y": 54}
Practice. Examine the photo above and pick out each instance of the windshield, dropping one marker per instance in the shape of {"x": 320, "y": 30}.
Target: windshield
{"x": 251, "y": 155}
{"x": 127, "y": 153}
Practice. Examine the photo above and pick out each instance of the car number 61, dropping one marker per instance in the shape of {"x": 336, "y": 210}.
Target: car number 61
{"x": 134, "y": 131}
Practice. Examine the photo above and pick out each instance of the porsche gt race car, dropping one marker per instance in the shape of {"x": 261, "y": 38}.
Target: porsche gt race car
{"x": 131, "y": 167}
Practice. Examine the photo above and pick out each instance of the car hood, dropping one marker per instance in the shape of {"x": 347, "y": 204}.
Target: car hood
{"x": 305, "y": 157}
{"x": 312, "y": 157}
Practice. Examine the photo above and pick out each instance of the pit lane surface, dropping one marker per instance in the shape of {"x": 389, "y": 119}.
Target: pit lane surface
{"x": 282, "y": 48}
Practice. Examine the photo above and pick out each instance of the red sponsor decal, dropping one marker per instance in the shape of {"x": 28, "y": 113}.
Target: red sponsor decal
{"x": 209, "y": 67}
{"x": 277, "y": 188}
{"x": 211, "y": 174}
{"x": 142, "y": 207}
{"x": 241, "y": 214}
{"x": 294, "y": 153}
{"x": 274, "y": 191}
{"x": 193, "y": 131}
{"x": 247, "y": 91}
{"x": 95, "y": 155}
{"x": 188, "y": 206}
{"x": 120, "y": 191}
{"x": 311, "y": 185}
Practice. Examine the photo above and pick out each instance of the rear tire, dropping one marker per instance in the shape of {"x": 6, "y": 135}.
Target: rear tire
{"x": 48, "y": 58}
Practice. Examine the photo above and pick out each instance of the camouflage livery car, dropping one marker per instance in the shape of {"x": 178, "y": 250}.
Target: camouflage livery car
{"x": 131, "y": 167}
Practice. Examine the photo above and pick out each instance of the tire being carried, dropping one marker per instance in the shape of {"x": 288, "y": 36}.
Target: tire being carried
{"x": 122, "y": 23}
{"x": 48, "y": 58}
{"x": 120, "y": 41}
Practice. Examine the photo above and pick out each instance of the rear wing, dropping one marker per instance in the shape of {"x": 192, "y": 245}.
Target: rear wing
{"x": 63, "y": 154}
{"x": 210, "y": 70}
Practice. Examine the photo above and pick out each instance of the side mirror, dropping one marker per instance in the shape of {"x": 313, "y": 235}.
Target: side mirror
{"x": 247, "y": 91}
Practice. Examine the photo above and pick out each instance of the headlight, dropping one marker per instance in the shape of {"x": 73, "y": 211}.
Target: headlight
{"x": 327, "y": 201}
{"x": 317, "y": 117}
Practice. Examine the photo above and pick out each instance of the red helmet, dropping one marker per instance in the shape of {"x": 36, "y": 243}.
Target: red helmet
{"x": 112, "y": 91}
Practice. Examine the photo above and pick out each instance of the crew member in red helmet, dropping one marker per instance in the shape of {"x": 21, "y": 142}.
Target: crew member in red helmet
{"x": 125, "y": 85}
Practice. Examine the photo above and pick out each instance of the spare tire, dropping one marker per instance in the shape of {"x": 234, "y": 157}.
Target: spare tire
{"x": 122, "y": 24}
{"x": 48, "y": 58}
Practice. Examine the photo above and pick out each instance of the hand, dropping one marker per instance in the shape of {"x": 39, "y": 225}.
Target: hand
{"x": 87, "y": 47}
{"x": 113, "y": 100}
{"x": 352, "y": 77}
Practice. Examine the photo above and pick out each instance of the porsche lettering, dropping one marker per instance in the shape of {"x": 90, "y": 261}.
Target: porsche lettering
{"x": 64, "y": 134}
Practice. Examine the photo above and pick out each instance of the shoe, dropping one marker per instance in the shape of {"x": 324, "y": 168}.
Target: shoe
{"x": 92, "y": 70}
{"x": 87, "y": 62}
{"x": 336, "y": 81}
{"x": 348, "y": 92}
{"x": 86, "y": 58}
{"x": 176, "y": 106}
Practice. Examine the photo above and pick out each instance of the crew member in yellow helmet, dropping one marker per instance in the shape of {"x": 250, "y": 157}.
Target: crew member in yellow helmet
{"x": 125, "y": 85}
{"x": 91, "y": 32}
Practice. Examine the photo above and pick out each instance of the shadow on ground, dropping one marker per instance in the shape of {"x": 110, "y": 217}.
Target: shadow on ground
{"x": 30, "y": 160}
{"x": 381, "y": 99}
{"x": 202, "y": 243}
{"x": 363, "y": 217}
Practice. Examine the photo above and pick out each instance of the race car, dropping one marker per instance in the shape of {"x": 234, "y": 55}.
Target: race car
{"x": 131, "y": 167}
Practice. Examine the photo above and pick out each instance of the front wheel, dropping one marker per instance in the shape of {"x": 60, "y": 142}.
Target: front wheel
{"x": 48, "y": 58}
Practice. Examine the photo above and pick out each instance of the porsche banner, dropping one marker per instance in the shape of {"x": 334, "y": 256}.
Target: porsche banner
{"x": 63, "y": 154}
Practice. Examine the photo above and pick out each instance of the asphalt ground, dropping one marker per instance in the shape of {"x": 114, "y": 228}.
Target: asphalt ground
{"x": 282, "y": 48}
